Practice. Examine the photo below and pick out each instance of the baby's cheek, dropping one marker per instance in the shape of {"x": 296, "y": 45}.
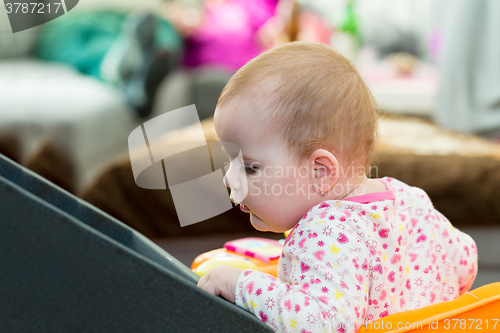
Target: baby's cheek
{"x": 255, "y": 188}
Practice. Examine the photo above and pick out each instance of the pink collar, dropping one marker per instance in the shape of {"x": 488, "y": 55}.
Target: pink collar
{"x": 376, "y": 196}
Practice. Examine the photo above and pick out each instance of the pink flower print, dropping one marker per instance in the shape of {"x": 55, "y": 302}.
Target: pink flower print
{"x": 331, "y": 217}
{"x": 270, "y": 303}
{"x": 258, "y": 292}
{"x": 327, "y": 231}
{"x": 419, "y": 281}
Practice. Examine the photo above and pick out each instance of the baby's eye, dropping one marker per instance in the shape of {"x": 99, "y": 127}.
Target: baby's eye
{"x": 248, "y": 169}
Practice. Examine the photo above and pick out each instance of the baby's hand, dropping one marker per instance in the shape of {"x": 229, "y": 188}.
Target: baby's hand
{"x": 221, "y": 280}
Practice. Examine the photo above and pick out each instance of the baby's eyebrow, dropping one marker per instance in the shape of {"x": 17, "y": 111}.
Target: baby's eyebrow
{"x": 245, "y": 158}
{"x": 248, "y": 158}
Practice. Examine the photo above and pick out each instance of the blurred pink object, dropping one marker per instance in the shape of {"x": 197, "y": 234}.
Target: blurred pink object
{"x": 227, "y": 37}
{"x": 312, "y": 28}
{"x": 435, "y": 43}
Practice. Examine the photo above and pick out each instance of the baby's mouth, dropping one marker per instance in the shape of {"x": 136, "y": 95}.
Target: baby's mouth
{"x": 244, "y": 208}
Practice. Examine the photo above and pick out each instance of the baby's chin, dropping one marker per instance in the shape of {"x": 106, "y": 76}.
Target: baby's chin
{"x": 260, "y": 225}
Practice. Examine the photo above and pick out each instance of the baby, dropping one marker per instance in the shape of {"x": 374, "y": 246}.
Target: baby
{"x": 306, "y": 125}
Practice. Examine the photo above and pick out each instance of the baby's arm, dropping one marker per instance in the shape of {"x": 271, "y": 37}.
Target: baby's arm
{"x": 462, "y": 251}
{"x": 328, "y": 285}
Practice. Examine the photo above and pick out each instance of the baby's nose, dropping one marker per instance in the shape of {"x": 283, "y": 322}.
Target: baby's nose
{"x": 231, "y": 180}
{"x": 224, "y": 180}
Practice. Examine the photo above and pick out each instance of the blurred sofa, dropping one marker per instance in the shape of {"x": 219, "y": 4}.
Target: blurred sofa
{"x": 50, "y": 112}
{"x": 43, "y": 102}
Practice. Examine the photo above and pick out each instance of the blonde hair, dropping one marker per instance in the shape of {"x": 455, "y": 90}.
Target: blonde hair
{"x": 314, "y": 97}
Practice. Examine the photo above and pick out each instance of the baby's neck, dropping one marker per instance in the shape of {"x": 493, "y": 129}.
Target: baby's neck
{"x": 357, "y": 186}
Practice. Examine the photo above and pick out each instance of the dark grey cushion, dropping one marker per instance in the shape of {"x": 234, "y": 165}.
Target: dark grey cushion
{"x": 66, "y": 266}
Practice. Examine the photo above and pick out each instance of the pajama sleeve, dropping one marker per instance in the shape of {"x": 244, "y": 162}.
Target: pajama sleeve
{"x": 462, "y": 251}
{"x": 325, "y": 274}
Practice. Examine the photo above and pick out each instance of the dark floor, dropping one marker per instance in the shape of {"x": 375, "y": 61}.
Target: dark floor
{"x": 487, "y": 241}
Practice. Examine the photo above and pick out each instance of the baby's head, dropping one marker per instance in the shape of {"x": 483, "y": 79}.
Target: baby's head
{"x": 306, "y": 124}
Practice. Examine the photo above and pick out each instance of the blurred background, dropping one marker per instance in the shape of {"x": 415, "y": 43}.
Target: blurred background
{"x": 73, "y": 89}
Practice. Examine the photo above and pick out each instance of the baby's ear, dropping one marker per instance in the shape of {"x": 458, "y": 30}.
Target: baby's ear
{"x": 325, "y": 167}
